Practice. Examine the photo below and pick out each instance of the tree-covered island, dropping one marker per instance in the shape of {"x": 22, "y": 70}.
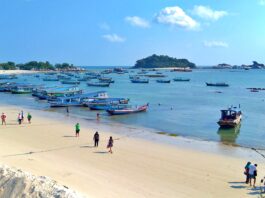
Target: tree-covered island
{"x": 162, "y": 61}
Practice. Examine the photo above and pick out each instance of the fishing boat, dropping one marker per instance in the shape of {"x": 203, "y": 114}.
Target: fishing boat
{"x": 22, "y": 89}
{"x": 76, "y": 100}
{"x": 155, "y": 75}
{"x": 221, "y": 84}
{"x": 129, "y": 110}
{"x": 181, "y": 79}
{"x": 6, "y": 86}
{"x": 106, "y": 80}
{"x": 139, "y": 80}
{"x": 105, "y": 104}
{"x": 50, "y": 79}
{"x": 230, "y": 118}
{"x": 163, "y": 81}
{"x": 70, "y": 82}
{"x": 98, "y": 84}
{"x": 53, "y": 93}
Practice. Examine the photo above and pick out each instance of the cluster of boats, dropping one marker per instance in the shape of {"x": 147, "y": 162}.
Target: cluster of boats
{"x": 141, "y": 79}
{"x": 92, "y": 78}
{"x": 74, "y": 96}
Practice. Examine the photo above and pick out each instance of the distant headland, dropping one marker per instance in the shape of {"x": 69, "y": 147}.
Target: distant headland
{"x": 255, "y": 65}
{"x": 38, "y": 66}
{"x": 163, "y": 61}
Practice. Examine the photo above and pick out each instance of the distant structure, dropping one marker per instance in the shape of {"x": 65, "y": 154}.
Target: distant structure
{"x": 255, "y": 65}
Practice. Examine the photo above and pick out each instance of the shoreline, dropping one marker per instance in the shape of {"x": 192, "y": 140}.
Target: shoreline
{"x": 138, "y": 168}
{"x": 17, "y": 72}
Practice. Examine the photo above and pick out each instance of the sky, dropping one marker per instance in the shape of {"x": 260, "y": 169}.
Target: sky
{"x": 119, "y": 32}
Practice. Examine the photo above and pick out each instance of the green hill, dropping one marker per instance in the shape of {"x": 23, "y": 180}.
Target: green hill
{"x": 156, "y": 61}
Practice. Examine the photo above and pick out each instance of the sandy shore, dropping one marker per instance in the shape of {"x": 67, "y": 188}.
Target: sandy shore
{"x": 17, "y": 72}
{"x": 137, "y": 168}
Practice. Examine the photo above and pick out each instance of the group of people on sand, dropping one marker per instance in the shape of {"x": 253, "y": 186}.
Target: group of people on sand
{"x": 20, "y": 118}
{"x": 95, "y": 138}
{"x": 251, "y": 173}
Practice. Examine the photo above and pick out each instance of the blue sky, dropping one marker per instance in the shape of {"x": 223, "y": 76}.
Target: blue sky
{"x": 118, "y": 32}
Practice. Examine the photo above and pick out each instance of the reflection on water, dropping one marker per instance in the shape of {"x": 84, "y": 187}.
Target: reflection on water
{"x": 229, "y": 136}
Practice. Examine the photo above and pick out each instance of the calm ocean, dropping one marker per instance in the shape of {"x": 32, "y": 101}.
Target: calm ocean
{"x": 189, "y": 109}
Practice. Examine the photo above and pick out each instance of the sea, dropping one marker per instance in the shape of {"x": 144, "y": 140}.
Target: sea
{"x": 187, "y": 109}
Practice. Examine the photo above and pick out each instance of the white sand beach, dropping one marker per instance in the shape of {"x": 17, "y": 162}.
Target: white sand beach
{"x": 17, "y": 72}
{"x": 137, "y": 168}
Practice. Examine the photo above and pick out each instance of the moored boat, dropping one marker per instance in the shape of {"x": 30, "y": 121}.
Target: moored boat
{"x": 163, "y": 81}
{"x": 139, "y": 80}
{"x": 230, "y": 118}
{"x": 76, "y": 100}
{"x": 221, "y": 84}
{"x": 98, "y": 84}
{"x": 70, "y": 82}
{"x": 181, "y": 79}
{"x": 127, "y": 110}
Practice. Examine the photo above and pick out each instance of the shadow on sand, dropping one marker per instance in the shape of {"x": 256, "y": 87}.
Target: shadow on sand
{"x": 101, "y": 152}
{"x": 251, "y": 191}
{"x": 69, "y": 136}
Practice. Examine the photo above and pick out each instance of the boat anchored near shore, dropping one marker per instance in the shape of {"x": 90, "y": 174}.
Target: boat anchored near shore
{"x": 230, "y": 118}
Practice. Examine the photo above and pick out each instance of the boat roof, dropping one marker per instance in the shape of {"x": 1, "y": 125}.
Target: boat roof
{"x": 93, "y": 94}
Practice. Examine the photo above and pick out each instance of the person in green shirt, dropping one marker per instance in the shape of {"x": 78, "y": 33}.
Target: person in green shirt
{"x": 29, "y": 118}
{"x": 77, "y": 129}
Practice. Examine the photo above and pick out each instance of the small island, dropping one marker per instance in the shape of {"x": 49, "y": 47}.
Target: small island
{"x": 162, "y": 61}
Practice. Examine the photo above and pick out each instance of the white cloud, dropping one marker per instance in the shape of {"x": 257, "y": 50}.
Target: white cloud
{"x": 104, "y": 26}
{"x": 215, "y": 44}
{"x": 137, "y": 21}
{"x": 262, "y": 2}
{"x": 208, "y": 13}
{"x": 177, "y": 17}
{"x": 113, "y": 38}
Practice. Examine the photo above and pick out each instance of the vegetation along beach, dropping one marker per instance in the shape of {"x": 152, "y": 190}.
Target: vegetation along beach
{"x": 116, "y": 100}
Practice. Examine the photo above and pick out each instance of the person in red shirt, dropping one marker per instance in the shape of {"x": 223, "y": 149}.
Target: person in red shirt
{"x": 3, "y": 118}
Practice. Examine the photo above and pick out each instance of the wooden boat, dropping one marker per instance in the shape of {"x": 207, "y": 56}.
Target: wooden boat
{"x": 127, "y": 110}
{"x": 98, "y": 84}
{"x": 106, "y": 80}
{"x": 181, "y": 79}
{"x": 54, "y": 93}
{"x": 70, "y": 82}
{"x": 50, "y": 79}
{"x": 108, "y": 103}
{"x": 229, "y": 118}
{"x": 21, "y": 90}
{"x": 163, "y": 81}
{"x": 76, "y": 100}
{"x": 155, "y": 75}
{"x": 138, "y": 80}
{"x": 182, "y": 69}
{"x": 218, "y": 84}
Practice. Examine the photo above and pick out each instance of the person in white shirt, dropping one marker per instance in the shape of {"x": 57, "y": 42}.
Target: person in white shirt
{"x": 252, "y": 174}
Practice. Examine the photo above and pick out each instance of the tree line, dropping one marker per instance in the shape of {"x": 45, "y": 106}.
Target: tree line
{"x": 36, "y": 65}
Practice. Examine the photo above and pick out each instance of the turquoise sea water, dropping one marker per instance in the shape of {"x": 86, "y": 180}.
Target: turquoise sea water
{"x": 189, "y": 109}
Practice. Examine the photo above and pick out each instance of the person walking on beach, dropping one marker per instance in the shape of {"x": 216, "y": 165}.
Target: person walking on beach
{"x": 247, "y": 172}
{"x": 3, "y": 118}
{"x": 96, "y": 139}
{"x": 22, "y": 116}
{"x": 77, "y": 129}
{"x": 110, "y": 144}
{"x": 98, "y": 116}
{"x": 252, "y": 174}
{"x": 67, "y": 110}
{"x": 19, "y": 118}
{"x": 29, "y": 118}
